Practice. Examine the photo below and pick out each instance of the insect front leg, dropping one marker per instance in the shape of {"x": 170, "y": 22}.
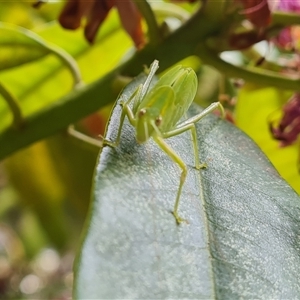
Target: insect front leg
{"x": 126, "y": 111}
{"x": 170, "y": 152}
{"x": 153, "y": 68}
{"x": 136, "y": 98}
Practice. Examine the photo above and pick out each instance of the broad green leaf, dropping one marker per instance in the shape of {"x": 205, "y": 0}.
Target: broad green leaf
{"x": 242, "y": 236}
{"x": 22, "y": 13}
{"x": 255, "y": 108}
{"x": 33, "y": 174}
{"x": 47, "y": 80}
{"x": 19, "y": 46}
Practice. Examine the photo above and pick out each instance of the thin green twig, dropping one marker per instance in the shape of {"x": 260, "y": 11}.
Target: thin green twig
{"x": 69, "y": 62}
{"x": 153, "y": 28}
{"x": 285, "y": 19}
{"x": 18, "y": 120}
{"x": 64, "y": 56}
{"x": 165, "y": 9}
{"x": 256, "y": 75}
{"x": 180, "y": 44}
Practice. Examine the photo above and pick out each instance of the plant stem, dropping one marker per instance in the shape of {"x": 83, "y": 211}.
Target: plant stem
{"x": 178, "y": 45}
{"x": 285, "y": 19}
{"x": 259, "y": 76}
{"x": 64, "y": 56}
{"x": 76, "y": 105}
{"x": 185, "y": 41}
{"x": 69, "y": 62}
{"x": 165, "y": 9}
{"x": 153, "y": 28}
{"x": 18, "y": 120}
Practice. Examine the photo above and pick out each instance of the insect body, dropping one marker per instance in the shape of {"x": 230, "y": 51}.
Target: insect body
{"x": 156, "y": 113}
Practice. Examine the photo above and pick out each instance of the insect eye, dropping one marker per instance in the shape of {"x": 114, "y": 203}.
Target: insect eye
{"x": 142, "y": 112}
{"x": 158, "y": 120}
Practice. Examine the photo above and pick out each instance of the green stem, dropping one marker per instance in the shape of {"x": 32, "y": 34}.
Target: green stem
{"x": 59, "y": 115}
{"x": 214, "y": 10}
{"x": 69, "y": 62}
{"x": 178, "y": 45}
{"x": 181, "y": 43}
{"x": 285, "y": 19}
{"x": 18, "y": 120}
{"x": 64, "y": 56}
{"x": 254, "y": 57}
{"x": 165, "y": 9}
{"x": 153, "y": 28}
{"x": 90, "y": 98}
{"x": 255, "y": 75}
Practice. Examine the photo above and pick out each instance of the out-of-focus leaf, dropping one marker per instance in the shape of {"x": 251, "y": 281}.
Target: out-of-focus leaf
{"x": 211, "y": 85}
{"x": 242, "y": 236}
{"x": 76, "y": 174}
{"x": 47, "y": 80}
{"x": 19, "y": 46}
{"x": 53, "y": 183}
{"x": 33, "y": 175}
{"x": 19, "y": 13}
{"x": 255, "y": 107}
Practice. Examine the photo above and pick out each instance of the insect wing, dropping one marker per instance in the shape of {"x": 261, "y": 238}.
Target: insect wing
{"x": 185, "y": 90}
{"x": 169, "y": 77}
{"x": 183, "y": 83}
{"x": 159, "y": 101}
{"x": 156, "y": 110}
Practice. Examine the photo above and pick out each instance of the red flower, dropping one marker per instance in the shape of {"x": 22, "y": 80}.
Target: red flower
{"x": 95, "y": 12}
{"x": 289, "y": 5}
{"x": 287, "y": 39}
{"x": 257, "y": 12}
{"x": 289, "y": 126}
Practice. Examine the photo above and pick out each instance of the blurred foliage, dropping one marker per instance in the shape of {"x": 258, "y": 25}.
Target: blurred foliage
{"x": 45, "y": 188}
{"x": 47, "y": 179}
{"x": 255, "y": 107}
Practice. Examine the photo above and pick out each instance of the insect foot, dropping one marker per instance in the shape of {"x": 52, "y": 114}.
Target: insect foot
{"x": 178, "y": 219}
{"x": 201, "y": 166}
{"x": 109, "y": 143}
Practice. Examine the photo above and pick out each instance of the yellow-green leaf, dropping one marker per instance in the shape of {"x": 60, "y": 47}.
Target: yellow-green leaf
{"x": 255, "y": 107}
{"x": 19, "y": 46}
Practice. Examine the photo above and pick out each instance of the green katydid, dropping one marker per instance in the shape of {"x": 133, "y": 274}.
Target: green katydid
{"x": 156, "y": 113}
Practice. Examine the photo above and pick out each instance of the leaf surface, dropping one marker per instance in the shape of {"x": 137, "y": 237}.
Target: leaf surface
{"x": 241, "y": 239}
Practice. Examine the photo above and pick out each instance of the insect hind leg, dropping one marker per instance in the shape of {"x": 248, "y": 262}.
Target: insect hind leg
{"x": 189, "y": 124}
{"x": 205, "y": 112}
{"x": 171, "y": 153}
